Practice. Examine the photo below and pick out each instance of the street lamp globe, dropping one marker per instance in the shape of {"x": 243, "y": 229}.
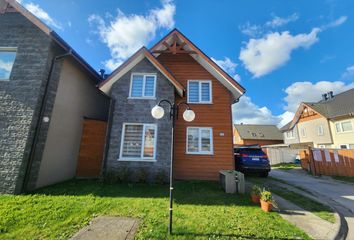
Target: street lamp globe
{"x": 188, "y": 115}
{"x": 157, "y": 112}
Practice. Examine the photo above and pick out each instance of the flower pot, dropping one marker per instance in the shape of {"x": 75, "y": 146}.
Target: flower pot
{"x": 255, "y": 198}
{"x": 266, "y": 206}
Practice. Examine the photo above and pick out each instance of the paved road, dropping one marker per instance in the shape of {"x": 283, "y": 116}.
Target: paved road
{"x": 341, "y": 193}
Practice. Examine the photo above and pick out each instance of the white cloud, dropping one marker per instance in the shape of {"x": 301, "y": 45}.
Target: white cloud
{"x": 229, "y": 66}
{"x": 41, "y": 14}
{"x": 125, "y": 34}
{"x": 278, "y": 21}
{"x": 262, "y": 56}
{"x": 245, "y": 111}
{"x": 339, "y": 21}
{"x": 311, "y": 92}
{"x": 349, "y": 72}
{"x": 251, "y": 30}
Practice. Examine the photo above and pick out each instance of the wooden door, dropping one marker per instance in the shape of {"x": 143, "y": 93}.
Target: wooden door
{"x": 92, "y": 145}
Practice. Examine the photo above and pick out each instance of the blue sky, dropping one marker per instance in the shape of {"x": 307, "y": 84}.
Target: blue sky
{"x": 282, "y": 52}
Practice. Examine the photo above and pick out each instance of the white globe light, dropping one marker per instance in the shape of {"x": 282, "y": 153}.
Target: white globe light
{"x": 157, "y": 112}
{"x": 188, "y": 115}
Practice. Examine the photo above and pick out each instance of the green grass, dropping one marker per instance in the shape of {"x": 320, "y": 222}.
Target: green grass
{"x": 201, "y": 211}
{"x": 344, "y": 179}
{"x": 307, "y": 204}
{"x": 286, "y": 166}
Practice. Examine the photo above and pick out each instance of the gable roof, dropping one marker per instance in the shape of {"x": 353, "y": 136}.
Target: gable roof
{"x": 258, "y": 132}
{"x": 235, "y": 88}
{"x": 142, "y": 53}
{"x": 53, "y": 35}
{"x": 286, "y": 127}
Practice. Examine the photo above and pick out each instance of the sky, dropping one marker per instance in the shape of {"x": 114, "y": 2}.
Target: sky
{"x": 282, "y": 52}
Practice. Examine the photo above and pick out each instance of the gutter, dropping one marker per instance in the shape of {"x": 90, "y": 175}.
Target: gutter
{"x": 40, "y": 120}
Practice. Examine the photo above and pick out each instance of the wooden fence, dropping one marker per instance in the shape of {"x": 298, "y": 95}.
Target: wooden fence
{"x": 330, "y": 162}
{"x": 280, "y": 155}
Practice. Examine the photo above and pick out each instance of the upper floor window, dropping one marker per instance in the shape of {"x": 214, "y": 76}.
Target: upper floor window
{"x": 199, "y": 140}
{"x": 320, "y": 131}
{"x": 142, "y": 85}
{"x": 345, "y": 126}
{"x": 7, "y": 59}
{"x": 303, "y": 132}
{"x": 199, "y": 91}
{"x": 290, "y": 134}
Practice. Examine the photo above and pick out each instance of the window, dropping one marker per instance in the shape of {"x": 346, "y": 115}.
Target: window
{"x": 303, "y": 132}
{"x": 138, "y": 142}
{"x": 344, "y": 146}
{"x": 345, "y": 126}
{"x": 199, "y": 140}
{"x": 290, "y": 134}
{"x": 143, "y": 86}
{"x": 199, "y": 91}
{"x": 7, "y": 59}
{"x": 320, "y": 130}
{"x": 321, "y": 146}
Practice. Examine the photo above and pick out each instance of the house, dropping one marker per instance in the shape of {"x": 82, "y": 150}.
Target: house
{"x": 177, "y": 70}
{"x": 249, "y": 134}
{"x": 328, "y": 123}
{"x": 45, "y": 92}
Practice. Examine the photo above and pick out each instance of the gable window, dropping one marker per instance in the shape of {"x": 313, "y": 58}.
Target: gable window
{"x": 303, "y": 132}
{"x": 142, "y": 86}
{"x": 7, "y": 59}
{"x": 199, "y": 91}
{"x": 320, "y": 131}
{"x": 290, "y": 134}
{"x": 345, "y": 126}
{"x": 138, "y": 142}
{"x": 199, "y": 140}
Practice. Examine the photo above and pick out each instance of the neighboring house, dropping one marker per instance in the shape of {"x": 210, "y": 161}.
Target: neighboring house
{"x": 45, "y": 92}
{"x": 173, "y": 69}
{"x": 249, "y": 134}
{"x": 328, "y": 123}
{"x": 290, "y": 135}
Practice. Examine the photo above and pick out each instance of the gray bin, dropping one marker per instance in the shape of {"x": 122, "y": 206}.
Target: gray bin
{"x": 232, "y": 181}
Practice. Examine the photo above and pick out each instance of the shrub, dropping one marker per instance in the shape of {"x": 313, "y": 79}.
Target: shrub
{"x": 256, "y": 190}
{"x": 267, "y": 196}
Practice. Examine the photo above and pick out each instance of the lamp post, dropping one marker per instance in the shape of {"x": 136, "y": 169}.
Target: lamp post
{"x": 158, "y": 112}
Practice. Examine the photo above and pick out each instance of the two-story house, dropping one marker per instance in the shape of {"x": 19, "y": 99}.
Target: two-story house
{"x": 46, "y": 89}
{"x": 176, "y": 70}
{"x": 328, "y": 123}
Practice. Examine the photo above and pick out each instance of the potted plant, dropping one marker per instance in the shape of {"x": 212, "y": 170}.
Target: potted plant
{"x": 267, "y": 201}
{"x": 256, "y": 194}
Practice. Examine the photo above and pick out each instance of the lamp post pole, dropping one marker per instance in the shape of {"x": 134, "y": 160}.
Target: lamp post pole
{"x": 173, "y": 111}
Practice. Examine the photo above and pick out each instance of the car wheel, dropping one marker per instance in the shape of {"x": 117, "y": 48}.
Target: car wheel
{"x": 264, "y": 174}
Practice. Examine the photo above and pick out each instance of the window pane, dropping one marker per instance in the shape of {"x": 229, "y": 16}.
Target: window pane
{"x": 206, "y": 92}
{"x": 7, "y": 60}
{"x": 149, "y": 86}
{"x": 132, "y": 141}
{"x": 347, "y": 126}
{"x": 193, "y": 139}
{"x": 193, "y": 94}
{"x": 137, "y": 86}
{"x": 338, "y": 128}
{"x": 149, "y": 143}
{"x": 206, "y": 141}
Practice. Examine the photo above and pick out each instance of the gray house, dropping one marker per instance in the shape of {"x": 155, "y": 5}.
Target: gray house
{"x": 46, "y": 89}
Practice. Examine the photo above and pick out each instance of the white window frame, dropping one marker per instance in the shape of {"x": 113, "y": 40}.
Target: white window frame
{"x": 290, "y": 134}
{"x": 303, "y": 132}
{"x": 200, "y": 92}
{"x": 211, "y": 152}
{"x": 321, "y": 146}
{"x": 320, "y": 133}
{"x": 344, "y": 144}
{"x": 142, "y": 158}
{"x": 9, "y": 49}
{"x": 144, "y": 82}
{"x": 341, "y": 127}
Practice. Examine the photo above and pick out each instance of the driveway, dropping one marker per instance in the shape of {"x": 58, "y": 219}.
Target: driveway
{"x": 323, "y": 187}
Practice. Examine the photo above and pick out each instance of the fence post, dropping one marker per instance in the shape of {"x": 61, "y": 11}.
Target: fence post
{"x": 312, "y": 162}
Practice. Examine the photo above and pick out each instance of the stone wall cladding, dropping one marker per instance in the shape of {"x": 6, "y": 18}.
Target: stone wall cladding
{"x": 127, "y": 110}
{"x": 20, "y": 96}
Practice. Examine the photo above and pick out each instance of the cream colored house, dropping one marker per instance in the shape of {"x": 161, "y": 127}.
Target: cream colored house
{"x": 328, "y": 123}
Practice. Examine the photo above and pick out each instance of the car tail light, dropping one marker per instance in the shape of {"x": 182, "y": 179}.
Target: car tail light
{"x": 243, "y": 155}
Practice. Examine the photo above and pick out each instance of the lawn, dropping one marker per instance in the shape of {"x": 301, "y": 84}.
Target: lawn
{"x": 286, "y": 166}
{"x": 201, "y": 211}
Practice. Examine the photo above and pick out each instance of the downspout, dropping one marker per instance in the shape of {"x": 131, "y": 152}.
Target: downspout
{"x": 40, "y": 119}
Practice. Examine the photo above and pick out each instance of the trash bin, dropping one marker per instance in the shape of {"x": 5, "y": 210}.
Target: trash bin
{"x": 232, "y": 181}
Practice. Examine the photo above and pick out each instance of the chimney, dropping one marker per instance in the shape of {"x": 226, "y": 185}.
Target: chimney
{"x": 324, "y": 97}
{"x": 102, "y": 71}
{"x": 330, "y": 95}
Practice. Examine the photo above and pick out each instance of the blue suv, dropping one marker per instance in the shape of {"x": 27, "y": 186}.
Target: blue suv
{"x": 251, "y": 159}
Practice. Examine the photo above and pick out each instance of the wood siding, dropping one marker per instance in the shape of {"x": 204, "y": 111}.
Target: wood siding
{"x": 216, "y": 115}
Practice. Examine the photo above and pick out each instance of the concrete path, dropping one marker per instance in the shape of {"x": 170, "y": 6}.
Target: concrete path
{"x": 108, "y": 228}
{"x": 314, "y": 226}
{"x": 339, "y": 195}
